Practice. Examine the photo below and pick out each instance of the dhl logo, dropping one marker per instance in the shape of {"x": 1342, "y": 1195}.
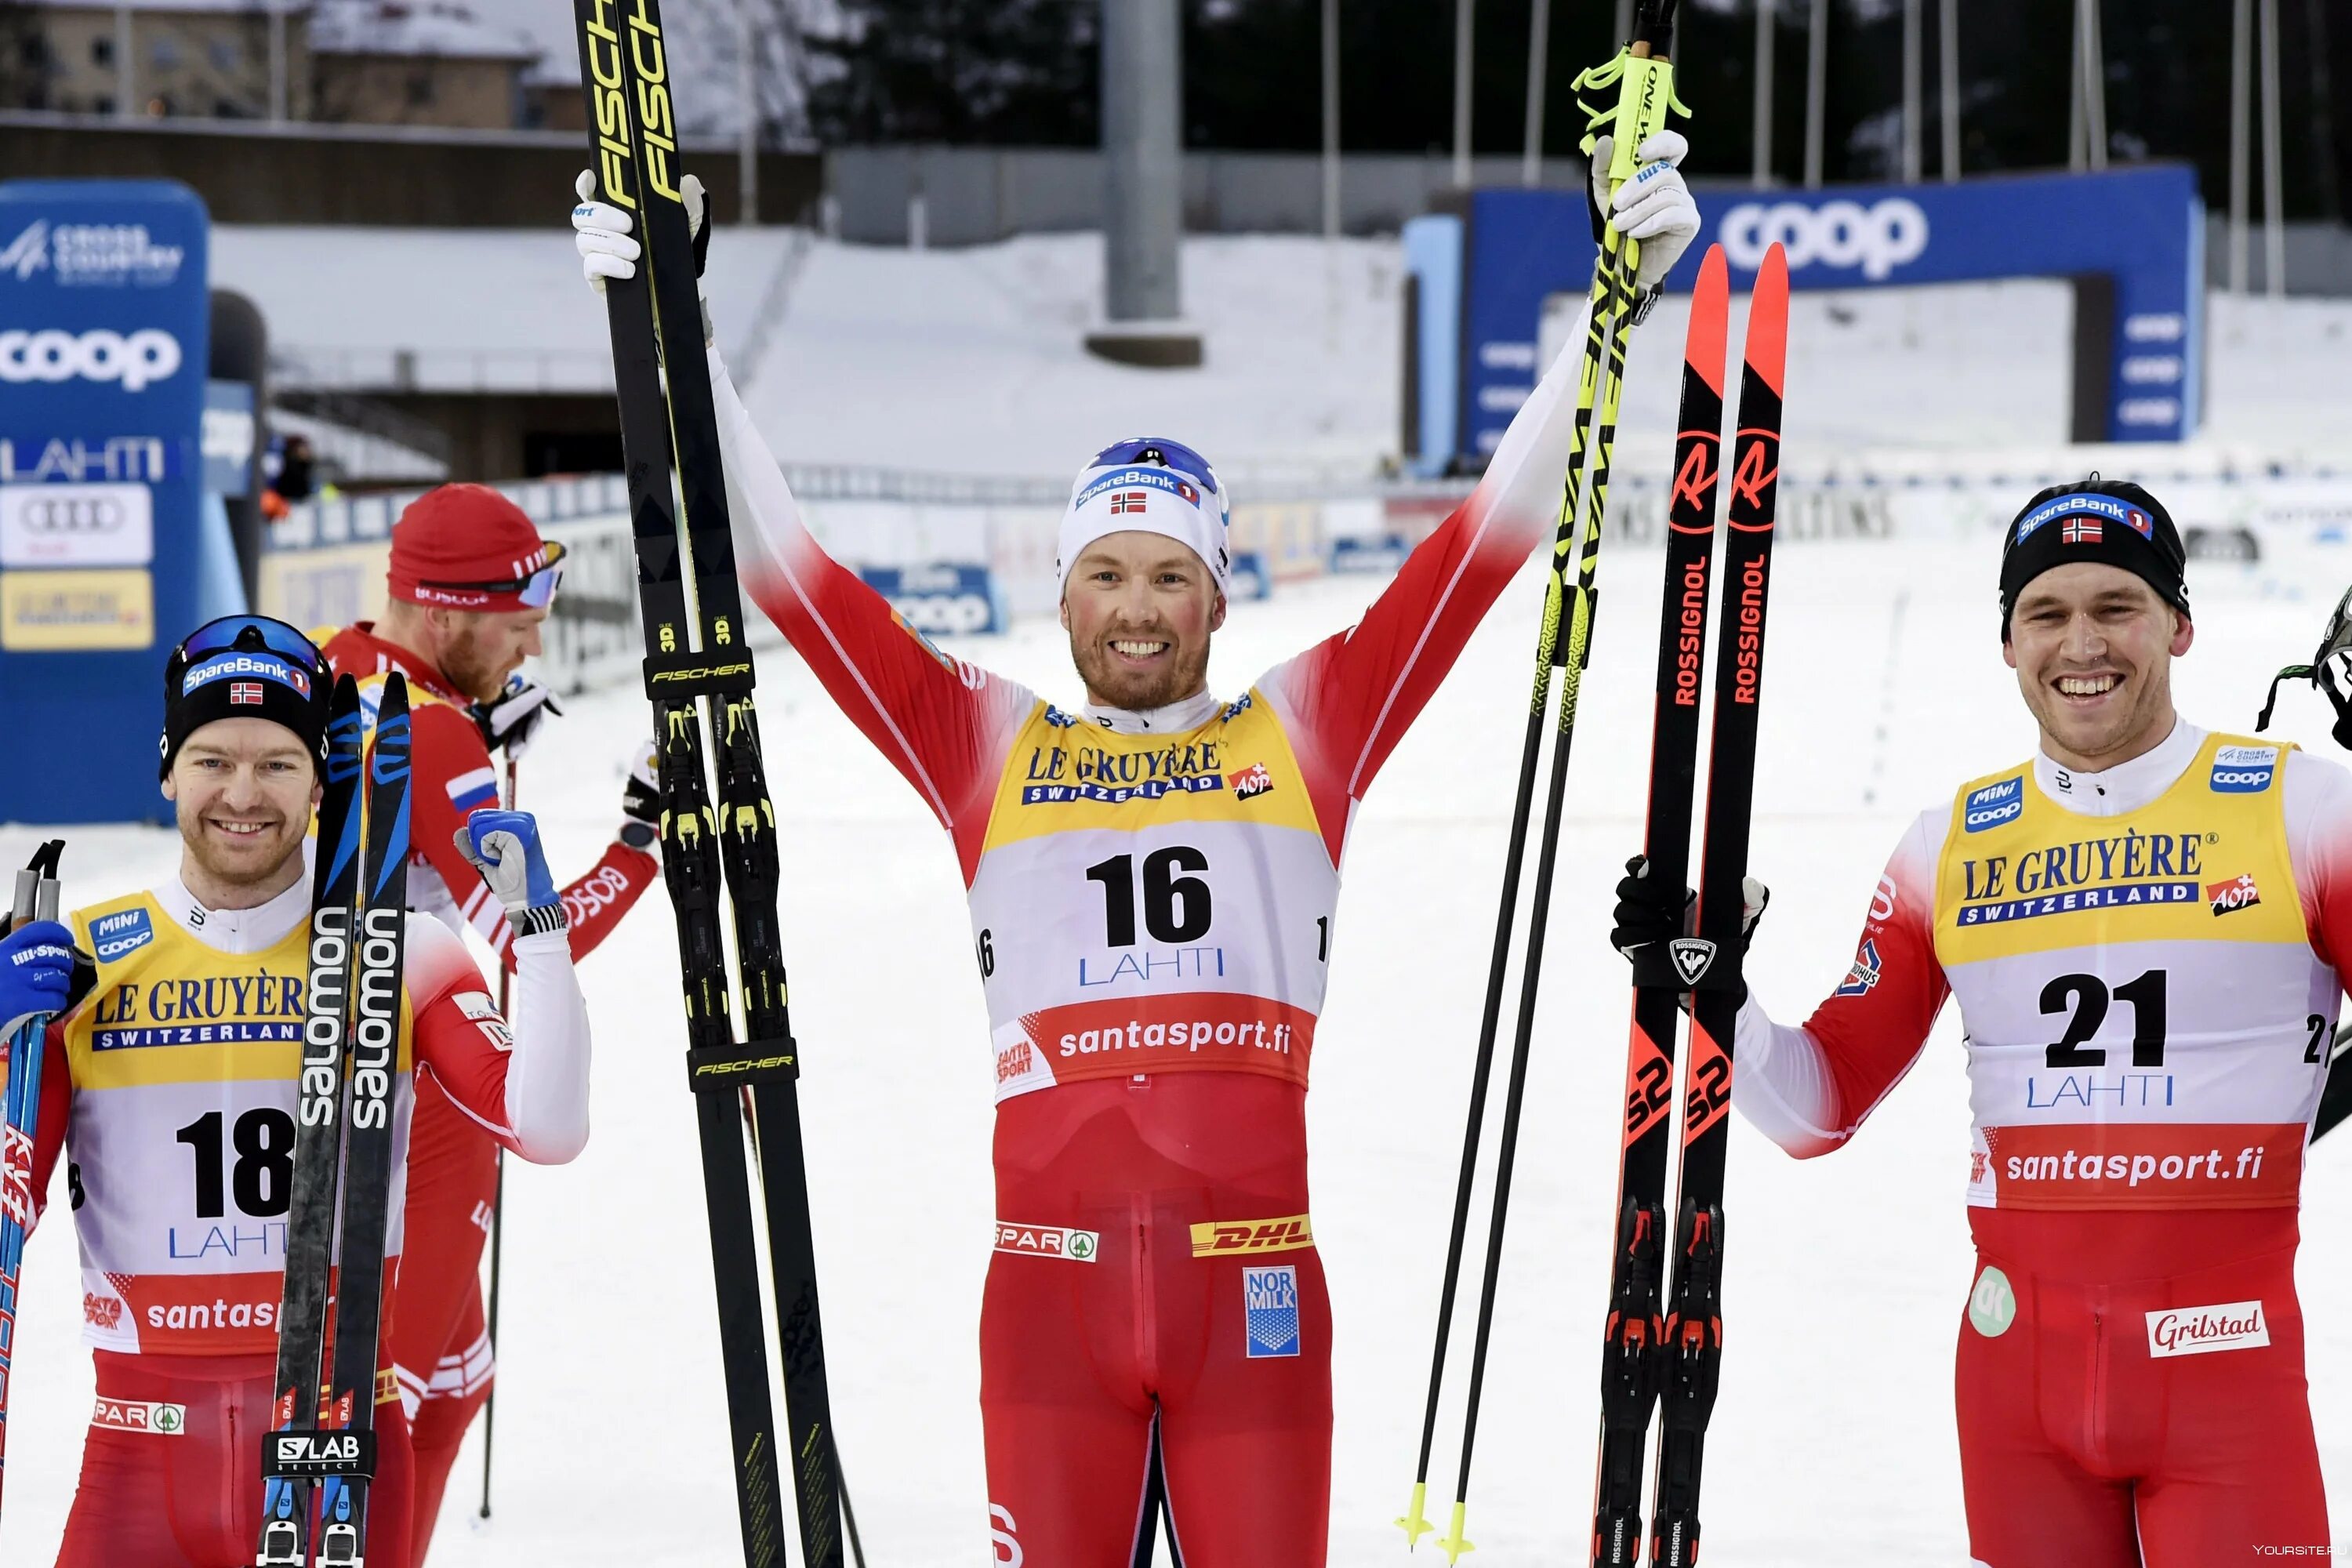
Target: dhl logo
{"x": 1216, "y": 1238}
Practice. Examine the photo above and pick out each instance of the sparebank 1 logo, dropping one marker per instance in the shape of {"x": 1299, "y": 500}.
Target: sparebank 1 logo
{"x": 1878, "y": 238}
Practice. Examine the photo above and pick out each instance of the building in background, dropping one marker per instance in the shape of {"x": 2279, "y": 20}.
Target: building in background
{"x": 371, "y": 62}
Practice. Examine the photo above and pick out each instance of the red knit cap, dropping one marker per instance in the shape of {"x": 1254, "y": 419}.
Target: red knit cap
{"x": 466, "y": 547}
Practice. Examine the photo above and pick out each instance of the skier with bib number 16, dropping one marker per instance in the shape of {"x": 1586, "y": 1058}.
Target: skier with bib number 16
{"x": 1155, "y": 1332}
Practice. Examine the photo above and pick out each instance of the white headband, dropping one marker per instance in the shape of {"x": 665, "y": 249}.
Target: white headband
{"x": 1146, "y": 499}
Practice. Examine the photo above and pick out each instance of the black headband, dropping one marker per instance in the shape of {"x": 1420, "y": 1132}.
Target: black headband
{"x": 2112, "y": 521}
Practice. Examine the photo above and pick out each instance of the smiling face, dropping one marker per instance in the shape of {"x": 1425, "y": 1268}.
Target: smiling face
{"x": 245, "y": 789}
{"x": 1140, "y": 608}
{"x": 2093, "y": 647}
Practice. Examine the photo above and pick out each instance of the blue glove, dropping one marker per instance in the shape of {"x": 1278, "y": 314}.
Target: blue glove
{"x": 504, "y": 847}
{"x": 37, "y": 961}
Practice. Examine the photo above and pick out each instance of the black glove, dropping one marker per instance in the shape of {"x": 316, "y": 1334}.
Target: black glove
{"x": 641, "y": 807}
{"x": 1648, "y": 910}
{"x": 1650, "y": 916}
{"x": 509, "y": 721}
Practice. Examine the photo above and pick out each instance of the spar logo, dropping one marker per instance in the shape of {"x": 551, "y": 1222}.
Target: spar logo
{"x": 1994, "y": 804}
{"x": 2243, "y": 769}
{"x": 1878, "y": 238}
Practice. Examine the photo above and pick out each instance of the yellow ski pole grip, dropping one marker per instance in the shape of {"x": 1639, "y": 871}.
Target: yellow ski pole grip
{"x": 1645, "y": 95}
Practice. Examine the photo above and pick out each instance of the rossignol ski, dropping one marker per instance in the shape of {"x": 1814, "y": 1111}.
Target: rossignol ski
{"x": 355, "y": 1026}
{"x": 1694, "y": 1333}
{"x": 1631, "y": 1350}
{"x": 695, "y": 653}
{"x": 1642, "y": 77}
{"x": 36, "y": 900}
{"x": 1662, "y": 1350}
{"x": 286, "y": 1504}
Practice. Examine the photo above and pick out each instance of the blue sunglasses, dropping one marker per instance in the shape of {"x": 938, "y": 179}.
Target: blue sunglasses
{"x": 1152, "y": 449}
{"x": 229, "y": 633}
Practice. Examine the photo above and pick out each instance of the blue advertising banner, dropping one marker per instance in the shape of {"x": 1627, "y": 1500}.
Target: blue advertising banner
{"x": 104, "y": 315}
{"x": 2141, "y": 228}
{"x": 945, "y": 598}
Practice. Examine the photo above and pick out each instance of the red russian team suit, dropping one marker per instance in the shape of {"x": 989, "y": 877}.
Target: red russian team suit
{"x": 440, "y": 1342}
{"x": 2147, "y": 961}
{"x": 1152, "y": 899}
{"x": 172, "y": 1086}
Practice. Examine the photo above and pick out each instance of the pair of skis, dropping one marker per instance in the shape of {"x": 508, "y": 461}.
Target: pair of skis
{"x": 1642, "y": 76}
{"x": 696, "y": 662}
{"x": 36, "y": 900}
{"x": 1663, "y": 1353}
{"x": 318, "y": 1463}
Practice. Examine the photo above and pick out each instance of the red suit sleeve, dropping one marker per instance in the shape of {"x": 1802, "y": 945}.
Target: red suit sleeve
{"x": 2319, "y": 846}
{"x": 1347, "y": 701}
{"x": 947, "y": 726}
{"x": 1809, "y": 1088}
{"x": 527, "y": 1088}
{"x": 453, "y": 778}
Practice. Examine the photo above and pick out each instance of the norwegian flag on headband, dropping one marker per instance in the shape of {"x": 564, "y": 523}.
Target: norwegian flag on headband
{"x": 2080, "y": 531}
{"x": 1126, "y": 501}
{"x": 244, "y": 693}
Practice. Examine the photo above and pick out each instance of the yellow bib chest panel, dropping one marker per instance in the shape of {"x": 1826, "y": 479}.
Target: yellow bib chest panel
{"x": 1152, "y": 903}
{"x": 184, "y": 1062}
{"x": 2147, "y": 1021}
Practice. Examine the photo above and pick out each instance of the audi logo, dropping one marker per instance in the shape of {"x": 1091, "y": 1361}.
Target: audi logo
{"x": 134, "y": 359}
{"x": 71, "y": 514}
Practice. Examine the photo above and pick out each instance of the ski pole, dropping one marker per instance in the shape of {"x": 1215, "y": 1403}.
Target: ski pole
{"x": 1645, "y": 97}
{"x": 498, "y": 1224}
{"x": 36, "y": 899}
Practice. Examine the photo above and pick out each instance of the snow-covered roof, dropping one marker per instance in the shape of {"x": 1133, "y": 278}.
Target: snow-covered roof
{"x": 218, "y": 7}
{"x": 443, "y": 29}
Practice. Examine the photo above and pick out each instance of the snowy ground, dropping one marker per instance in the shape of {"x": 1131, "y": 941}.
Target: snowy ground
{"x": 1833, "y": 1441}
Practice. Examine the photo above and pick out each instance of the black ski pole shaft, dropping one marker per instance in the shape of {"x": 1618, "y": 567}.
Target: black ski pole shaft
{"x": 1630, "y": 1349}
{"x": 1694, "y": 1329}
{"x": 498, "y": 1226}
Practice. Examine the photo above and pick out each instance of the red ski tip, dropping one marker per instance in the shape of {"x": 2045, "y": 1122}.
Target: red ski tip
{"x": 1767, "y": 318}
{"x": 1704, "y": 350}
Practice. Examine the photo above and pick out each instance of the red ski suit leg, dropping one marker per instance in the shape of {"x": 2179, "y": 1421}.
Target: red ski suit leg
{"x": 1079, "y": 1358}
{"x": 436, "y": 1340}
{"x": 193, "y": 1498}
{"x": 2083, "y": 1445}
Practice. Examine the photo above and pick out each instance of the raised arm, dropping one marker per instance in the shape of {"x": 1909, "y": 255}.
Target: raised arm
{"x": 944, "y": 724}
{"x": 1808, "y": 1089}
{"x": 1348, "y": 701}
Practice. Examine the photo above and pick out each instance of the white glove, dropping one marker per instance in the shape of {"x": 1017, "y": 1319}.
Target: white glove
{"x": 1655, "y": 207}
{"x": 602, "y": 230}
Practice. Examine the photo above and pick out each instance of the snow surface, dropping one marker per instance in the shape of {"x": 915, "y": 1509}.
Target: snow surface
{"x": 1846, "y": 1278}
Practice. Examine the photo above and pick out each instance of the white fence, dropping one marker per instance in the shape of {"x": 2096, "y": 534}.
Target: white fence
{"x": 326, "y": 563}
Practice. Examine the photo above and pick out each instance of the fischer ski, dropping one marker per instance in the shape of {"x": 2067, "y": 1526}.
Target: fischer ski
{"x": 351, "y": 1076}
{"x": 36, "y": 900}
{"x": 287, "y": 1509}
{"x": 695, "y": 656}
{"x": 1631, "y": 1350}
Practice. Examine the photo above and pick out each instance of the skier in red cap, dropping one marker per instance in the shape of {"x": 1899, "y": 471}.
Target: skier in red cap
{"x": 470, "y": 580}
